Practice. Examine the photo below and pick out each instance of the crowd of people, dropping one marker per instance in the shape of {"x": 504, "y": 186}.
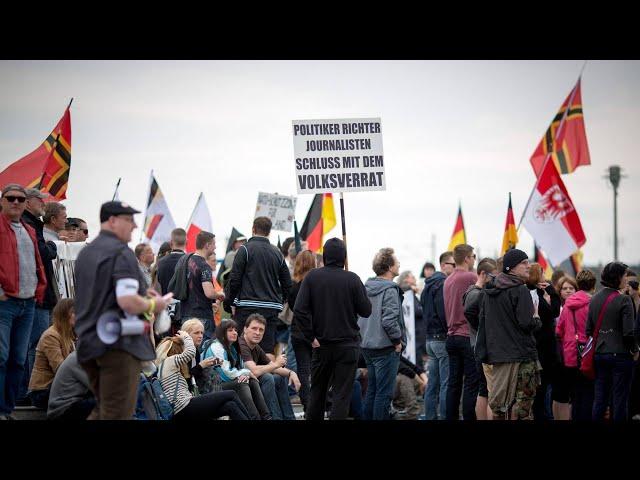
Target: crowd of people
{"x": 493, "y": 338}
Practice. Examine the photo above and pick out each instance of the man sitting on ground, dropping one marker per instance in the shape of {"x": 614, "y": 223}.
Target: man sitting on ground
{"x": 272, "y": 375}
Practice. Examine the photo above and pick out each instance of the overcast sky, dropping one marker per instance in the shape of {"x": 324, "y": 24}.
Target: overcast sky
{"x": 452, "y": 131}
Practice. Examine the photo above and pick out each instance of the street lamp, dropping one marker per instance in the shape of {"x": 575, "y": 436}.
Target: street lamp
{"x": 614, "y": 178}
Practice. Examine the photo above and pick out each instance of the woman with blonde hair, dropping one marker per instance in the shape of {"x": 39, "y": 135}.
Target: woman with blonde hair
{"x": 566, "y": 287}
{"x": 175, "y": 356}
{"x": 305, "y": 262}
{"x": 195, "y": 329}
{"x": 56, "y": 343}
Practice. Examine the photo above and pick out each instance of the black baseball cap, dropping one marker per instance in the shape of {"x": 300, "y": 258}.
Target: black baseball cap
{"x": 110, "y": 209}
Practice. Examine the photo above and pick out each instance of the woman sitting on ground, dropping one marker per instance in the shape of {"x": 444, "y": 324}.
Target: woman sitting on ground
{"x": 56, "y": 343}
{"x": 232, "y": 373}
{"x": 195, "y": 329}
{"x": 173, "y": 373}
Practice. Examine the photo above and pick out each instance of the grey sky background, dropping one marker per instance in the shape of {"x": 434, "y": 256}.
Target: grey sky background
{"x": 452, "y": 131}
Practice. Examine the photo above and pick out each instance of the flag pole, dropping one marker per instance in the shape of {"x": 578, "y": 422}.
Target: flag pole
{"x": 115, "y": 193}
{"x": 558, "y": 132}
{"x": 344, "y": 231}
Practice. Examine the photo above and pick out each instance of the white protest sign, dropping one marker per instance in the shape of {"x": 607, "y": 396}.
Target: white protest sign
{"x": 339, "y": 155}
{"x": 409, "y": 310}
{"x": 279, "y": 208}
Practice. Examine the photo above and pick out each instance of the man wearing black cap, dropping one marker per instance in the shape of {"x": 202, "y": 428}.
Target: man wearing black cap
{"x": 505, "y": 340}
{"x": 108, "y": 278}
{"x": 326, "y": 311}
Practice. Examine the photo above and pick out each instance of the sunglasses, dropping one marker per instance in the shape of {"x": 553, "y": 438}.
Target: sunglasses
{"x": 634, "y": 284}
{"x": 450, "y": 263}
{"x": 13, "y": 198}
{"x": 86, "y": 231}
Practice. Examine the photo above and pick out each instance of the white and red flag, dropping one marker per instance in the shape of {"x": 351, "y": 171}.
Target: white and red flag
{"x": 158, "y": 221}
{"x": 551, "y": 217}
{"x": 200, "y": 221}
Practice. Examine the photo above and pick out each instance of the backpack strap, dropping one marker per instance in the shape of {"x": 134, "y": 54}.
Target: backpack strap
{"x": 596, "y": 331}
{"x": 575, "y": 324}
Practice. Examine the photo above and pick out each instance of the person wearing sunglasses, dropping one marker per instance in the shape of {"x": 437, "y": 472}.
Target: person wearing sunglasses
{"x": 22, "y": 284}
{"x": 35, "y": 208}
{"x": 76, "y": 230}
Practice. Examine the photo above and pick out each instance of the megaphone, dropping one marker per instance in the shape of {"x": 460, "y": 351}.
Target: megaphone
{"x": 111, "y": 326}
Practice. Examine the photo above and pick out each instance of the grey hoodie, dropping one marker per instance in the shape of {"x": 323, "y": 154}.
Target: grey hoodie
{"x": 384, "y": 328}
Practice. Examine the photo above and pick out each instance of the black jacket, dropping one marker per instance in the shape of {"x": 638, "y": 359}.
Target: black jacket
{"x": 617, "y": 329}
{"x": 48, "y": 253}
{"x": 330, "y": 300}
{"x": 295, "y": 328}
{"x": 166, "y": 268}
{"x": 506, "y": 325}
{"x": 432, "y": 301}
{"x": 259, "y": 278}
{"x": 546, "y": 341}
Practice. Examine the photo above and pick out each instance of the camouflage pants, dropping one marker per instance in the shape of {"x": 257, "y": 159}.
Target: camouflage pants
{"x": 527, "y": 383}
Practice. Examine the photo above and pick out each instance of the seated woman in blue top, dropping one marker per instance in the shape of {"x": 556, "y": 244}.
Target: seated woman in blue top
{"x": 232, "y": 372}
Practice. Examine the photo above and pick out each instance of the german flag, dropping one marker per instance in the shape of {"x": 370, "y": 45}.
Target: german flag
{"x": 459, "y": 236}
{"x": 47, "y": 167}
{"x": 565, "y": 139}
{"x": 510, "y": 237}
{"x": 320, "y": 220}
{"x": 541, "y": 259}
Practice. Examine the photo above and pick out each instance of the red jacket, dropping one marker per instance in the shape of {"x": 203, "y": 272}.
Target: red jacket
{"x": 577, "y": 303}
{"x": 9, "y": 269}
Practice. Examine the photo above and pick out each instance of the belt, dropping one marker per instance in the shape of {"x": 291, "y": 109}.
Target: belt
{"x": 437, "y": 336}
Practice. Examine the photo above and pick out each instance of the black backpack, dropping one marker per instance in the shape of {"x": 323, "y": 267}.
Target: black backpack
{"x": 178, "y": 283}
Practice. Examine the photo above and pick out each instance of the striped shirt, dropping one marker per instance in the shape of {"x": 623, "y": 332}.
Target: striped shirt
{"x": 171, "y": 377}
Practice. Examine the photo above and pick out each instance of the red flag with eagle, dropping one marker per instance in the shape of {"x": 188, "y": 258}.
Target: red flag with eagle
{"x": 158, "y": 221}
{"x": 48, "y": 166}
{"x": 565, "y": 139}
{"x": 551, "y": 218}
{"x": 320, "y": 220}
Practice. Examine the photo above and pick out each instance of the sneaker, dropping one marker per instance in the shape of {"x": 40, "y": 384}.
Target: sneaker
{"x": 23, "y": 402}
{"x": 7, "y": 417}
{"x": 636, "y": 417}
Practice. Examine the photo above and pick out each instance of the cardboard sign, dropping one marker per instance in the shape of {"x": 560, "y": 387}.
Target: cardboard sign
{"x": 280, "y": 209}
{"x": 341, "y": 155}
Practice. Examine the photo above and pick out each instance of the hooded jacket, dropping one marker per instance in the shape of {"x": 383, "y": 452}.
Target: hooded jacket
{"x": 572, "y": 317}
{"x": 506, "y": 326}
{"x": 384, "y": 328}
{"x": 472, "y": 299}
{"x": 330, "y": 300}
{"x": 432, "y": 301}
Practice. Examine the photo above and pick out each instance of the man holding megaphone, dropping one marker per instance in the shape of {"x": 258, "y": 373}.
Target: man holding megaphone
{"x": 112, "y": 311}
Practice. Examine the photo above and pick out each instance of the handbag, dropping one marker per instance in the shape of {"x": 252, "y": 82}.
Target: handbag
{"x": 580, "y": 346}
{"x": 587, "y": 366}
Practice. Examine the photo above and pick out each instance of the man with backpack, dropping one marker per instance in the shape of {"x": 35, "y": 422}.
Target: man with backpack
{"x": 194, "y": 273}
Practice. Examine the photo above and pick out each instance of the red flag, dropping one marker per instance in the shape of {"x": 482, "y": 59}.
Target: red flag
{"x": 565, "y": 139}
{"x": 551, "y": 218}
{"x": 47, "y": 167}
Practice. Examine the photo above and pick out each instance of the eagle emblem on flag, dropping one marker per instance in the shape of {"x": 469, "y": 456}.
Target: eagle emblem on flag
{"x": 553, "y": 205}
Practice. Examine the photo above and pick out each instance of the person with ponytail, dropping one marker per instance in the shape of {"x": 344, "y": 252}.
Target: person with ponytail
{"x": 55, "y": 344}
{"x": 175, "y": 355}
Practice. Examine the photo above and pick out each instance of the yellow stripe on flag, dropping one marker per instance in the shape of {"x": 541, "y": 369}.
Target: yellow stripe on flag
{"x": 457, "y": 239}
{"x": 328, "y": 214}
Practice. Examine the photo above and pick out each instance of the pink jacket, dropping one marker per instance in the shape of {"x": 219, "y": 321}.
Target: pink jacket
{"x": 577, "y": 303}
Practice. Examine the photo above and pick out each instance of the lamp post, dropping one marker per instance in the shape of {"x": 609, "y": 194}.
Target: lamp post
{"x": 614, "y": 178}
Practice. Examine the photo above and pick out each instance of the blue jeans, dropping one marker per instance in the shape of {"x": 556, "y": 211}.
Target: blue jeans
{"x": 16, "y": 319}
{"x": 382, "y": 368}
{"x": 276, "y": 395}
{"x": 438, "y": 380}
{"x": 613, "y": 381}
{"x": 40, "y": 324}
